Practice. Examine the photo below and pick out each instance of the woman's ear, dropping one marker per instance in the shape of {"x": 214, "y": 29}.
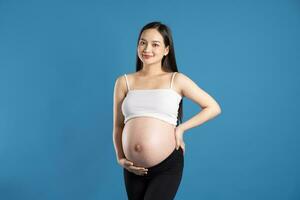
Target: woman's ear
{"x": 166, "y": 50}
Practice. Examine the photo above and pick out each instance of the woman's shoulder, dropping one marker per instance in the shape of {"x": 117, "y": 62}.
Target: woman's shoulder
{"x": 130, "y": 74}
{"x": 183, "y": 81}
{"x": 120, "y": 81}
{"x": 122, "y": 76}
{"x": 182, "y": 77}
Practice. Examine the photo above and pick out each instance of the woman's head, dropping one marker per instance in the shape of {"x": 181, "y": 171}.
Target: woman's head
{"x": 155, "y": 40}
{"x": 151, "y": 47}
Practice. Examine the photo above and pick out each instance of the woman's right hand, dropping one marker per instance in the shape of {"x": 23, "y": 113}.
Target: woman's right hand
{"x": 130, "y": 167}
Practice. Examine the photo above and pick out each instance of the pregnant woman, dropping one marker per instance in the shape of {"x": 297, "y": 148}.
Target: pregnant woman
{"x": 148, "y": 129}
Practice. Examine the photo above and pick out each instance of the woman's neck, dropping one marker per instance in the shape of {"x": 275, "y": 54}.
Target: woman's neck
{"x": 152, "y": 70}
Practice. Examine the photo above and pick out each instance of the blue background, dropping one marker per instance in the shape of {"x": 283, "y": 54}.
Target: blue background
{"x": 58, "y": 64}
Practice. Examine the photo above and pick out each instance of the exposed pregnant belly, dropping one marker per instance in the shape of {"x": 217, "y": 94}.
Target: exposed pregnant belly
{"x": 147, "y": 141}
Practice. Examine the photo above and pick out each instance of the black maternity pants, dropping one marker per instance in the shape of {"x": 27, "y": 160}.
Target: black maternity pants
{"x": 160, "y": 183}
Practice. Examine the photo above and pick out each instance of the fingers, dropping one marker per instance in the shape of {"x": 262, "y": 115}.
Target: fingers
{"x": 134, "y": 169}
{"x": 182, "y": 146}
{"x": 138, "y": 170}
{"x": 128, "y": 163}
{"x": 177, "y": 145}
{"x": 178, "y": 139}
{"x": 183, "y": 149}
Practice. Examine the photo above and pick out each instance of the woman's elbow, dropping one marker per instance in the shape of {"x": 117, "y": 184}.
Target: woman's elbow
{"x": 218, "y": 110}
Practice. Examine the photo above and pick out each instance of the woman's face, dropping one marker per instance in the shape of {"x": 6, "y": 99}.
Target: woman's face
{"x": 151, "y": 47}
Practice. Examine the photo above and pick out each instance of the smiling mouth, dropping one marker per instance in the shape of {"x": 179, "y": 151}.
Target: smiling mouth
{"x": 146, "y": 56}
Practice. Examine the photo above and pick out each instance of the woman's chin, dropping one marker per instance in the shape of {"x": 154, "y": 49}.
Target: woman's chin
{"x": 148, "y": 61}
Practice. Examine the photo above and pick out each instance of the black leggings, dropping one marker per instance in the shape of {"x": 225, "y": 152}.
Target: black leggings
{"x": 160, "y": 183}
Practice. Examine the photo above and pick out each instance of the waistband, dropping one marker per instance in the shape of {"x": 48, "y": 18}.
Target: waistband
{"x": 166, "y": 163}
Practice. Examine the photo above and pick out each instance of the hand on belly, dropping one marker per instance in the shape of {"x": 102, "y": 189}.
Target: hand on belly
{"x": 145, "y": 146}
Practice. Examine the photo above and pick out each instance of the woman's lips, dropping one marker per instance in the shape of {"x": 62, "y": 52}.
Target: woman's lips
{"x": 147, "y": 56}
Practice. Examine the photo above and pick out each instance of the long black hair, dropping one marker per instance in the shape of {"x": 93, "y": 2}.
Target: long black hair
{"x": 168, "y": 61}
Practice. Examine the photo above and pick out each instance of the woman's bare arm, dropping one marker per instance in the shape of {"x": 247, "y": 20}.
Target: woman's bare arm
{"x": 118, "y": 118}
{"x": 210, "y": 108}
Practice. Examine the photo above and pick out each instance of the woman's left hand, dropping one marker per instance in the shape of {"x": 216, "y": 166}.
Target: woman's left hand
{"x": 179, "y": 138}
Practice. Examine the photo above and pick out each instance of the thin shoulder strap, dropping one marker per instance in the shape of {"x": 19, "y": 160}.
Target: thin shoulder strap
{"x": 127, "y": 83}
{"x": 173, "y": 75}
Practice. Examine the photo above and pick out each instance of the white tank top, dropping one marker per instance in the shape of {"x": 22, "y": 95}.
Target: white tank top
{"x": 161, "y": 103}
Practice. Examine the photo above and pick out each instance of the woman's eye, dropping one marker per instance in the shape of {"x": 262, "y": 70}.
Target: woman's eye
{"x": 156, "y": 45}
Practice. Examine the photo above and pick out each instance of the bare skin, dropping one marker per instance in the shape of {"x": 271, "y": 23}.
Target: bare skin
{"x": 145, "y": 141}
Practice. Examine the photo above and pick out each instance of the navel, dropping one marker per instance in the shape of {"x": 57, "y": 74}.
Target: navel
{"x": 138, "y": 148}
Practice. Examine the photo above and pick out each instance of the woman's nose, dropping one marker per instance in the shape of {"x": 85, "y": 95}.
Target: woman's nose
{"x": 147, "y": 48}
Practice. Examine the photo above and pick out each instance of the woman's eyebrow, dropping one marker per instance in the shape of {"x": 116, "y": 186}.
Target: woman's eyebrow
{"x": 152, "y": 40}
